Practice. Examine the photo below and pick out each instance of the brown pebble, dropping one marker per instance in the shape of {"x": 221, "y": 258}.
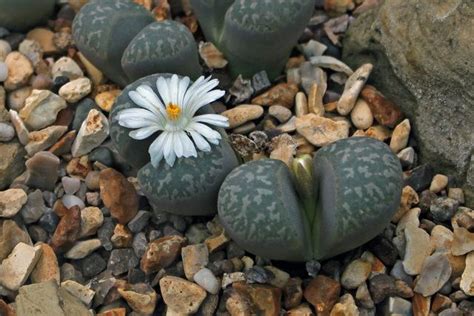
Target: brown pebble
{"x": 79, "y": 167}
{"x": 63, "y": 145}
{"x": 161, "y": 252}
{"x": 47, "y": 266}
{"x": 322, "y": 292}
{"x": 265, "y": 297}
{"x": 293, "y": 293}
{"x": 122, "y": 237}
{"x": 118, "y": 195}
{"x": 385, "y": 112}
{"x": 67, "y": 231}
{"x": 282, "y": 94}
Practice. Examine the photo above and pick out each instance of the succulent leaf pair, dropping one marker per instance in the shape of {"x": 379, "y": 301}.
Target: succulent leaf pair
{"x": 121, "y": 38}
{"x": 254, "y": 35}
{"x": 356, "y": 186}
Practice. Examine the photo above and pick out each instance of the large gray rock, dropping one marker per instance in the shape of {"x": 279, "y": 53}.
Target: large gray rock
{"x": 422, "y": 52}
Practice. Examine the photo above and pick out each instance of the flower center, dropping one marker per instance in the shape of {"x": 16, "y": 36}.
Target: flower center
{"x": 173, "y": 111}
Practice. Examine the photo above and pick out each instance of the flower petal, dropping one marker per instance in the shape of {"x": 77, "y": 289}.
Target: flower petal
{"x": 213, "y": 119}
{"x": 163, "y": 90}
{"x": 191, "y": 90}
{"x": 177, "y": 144}
{"x": 148, "y": 94}
{"x": 188, "y": 146}
{"x": 137, "y": 118}
{"x": 173, "y": 85}
{"x": 206, "y": 131}
{"x": 168, "y": 151}
{"x": 200, "y": 142}
{"x": 182, "y": 88}
{"x": 143, "y": 132}
{"x": 204, "y": 99}
{"x": 156, "y": 149}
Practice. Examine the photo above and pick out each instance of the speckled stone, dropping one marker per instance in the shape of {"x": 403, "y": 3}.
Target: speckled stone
{"x": 121, "y": 260}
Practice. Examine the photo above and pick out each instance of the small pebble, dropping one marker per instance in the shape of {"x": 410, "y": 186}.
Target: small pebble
{"x": 82, "y": 249}
{"x": 71, "y": 200}
{"x": 400, "y": 136}
{"x": 20, "y": 70}
{"x": 352, "y": 89}
{"x": 443, "y": 208}
{"x": 281, "y": 113}
{"x": 75, "y": 90}
{"x": 106, "y": 99}
{"x": 361, "y": 115}
{"x": 242, "y": 114}
{"x": 67, "y": 67}
{"x": 439, "y": 183}
{"x": 7, "y": 132}
{"x": 206, "y": 279}
{"x": 70, "y": 185}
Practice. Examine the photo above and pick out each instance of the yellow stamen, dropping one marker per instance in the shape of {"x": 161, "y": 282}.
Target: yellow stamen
{"x": 173, "y": 111}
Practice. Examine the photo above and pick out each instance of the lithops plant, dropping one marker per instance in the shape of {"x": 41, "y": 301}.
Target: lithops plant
{"x": 20, "y": 15}
{"x": 254, "y": 35}
{"x": 185, "y": 186}
{"x": 356, "y": 186}
{"x": 120, "y": 38}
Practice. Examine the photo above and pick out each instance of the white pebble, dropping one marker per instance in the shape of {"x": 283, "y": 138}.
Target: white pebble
{"x": 71, "y": 185}
{"x": 72, "y": 200}
{"x": 206, "y": 279}
{"x": 3, "y": 71}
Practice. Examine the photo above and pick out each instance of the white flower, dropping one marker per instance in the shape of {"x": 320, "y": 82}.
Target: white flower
{"x": 172, "y": 113}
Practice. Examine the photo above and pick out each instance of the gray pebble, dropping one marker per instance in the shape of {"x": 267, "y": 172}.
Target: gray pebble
{"x": 70, "y": 200}
{"x": 443, "y": 208}
{"x": 139, "y": 221}
{"x": 69, "y": 272}
{"x": 49, "y": 197}
{"x": 105, "y": 232}
{"x": 37, "y": 233}
{"x": 34, "y": 207}
{"x": 121, "y": 260}
{"x": 260, "y": 81}
{"x": 70, "y": 185}
{"x": 258, "y": 274}
{"x": 154, "y": 234}
{"x": 49, "y": 221}
{"x": 7, "y": 132}
{"x": 139, "y": 244}
{"x": 92, "y": 265}
{"x": 313, "y": 267}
